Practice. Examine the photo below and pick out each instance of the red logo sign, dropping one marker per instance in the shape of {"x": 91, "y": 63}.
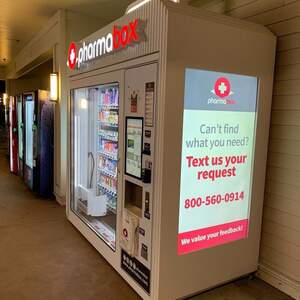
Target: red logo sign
{"x": 125, "y": 35}
{"x": 222, "y": 87}
{"x": 120, "y": 38}
{"x": 72, "y": 56}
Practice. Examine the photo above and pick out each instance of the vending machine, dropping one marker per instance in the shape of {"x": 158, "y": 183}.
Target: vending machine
{"x": 168, "y": 122}
{"x": 39, "y": 137}
{"x": 28, "y": 99}
{"x": 13, "y": 135}
{"x": 21, "y": 136}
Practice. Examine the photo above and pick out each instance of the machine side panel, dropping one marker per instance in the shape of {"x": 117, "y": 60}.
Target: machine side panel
{"x": 210, "y": 46}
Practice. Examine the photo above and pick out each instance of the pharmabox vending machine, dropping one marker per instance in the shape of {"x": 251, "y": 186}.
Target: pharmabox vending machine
{"x": 39, "y": 136}
{"x": 169, "y": 123}
{"x": 13, "y": 135}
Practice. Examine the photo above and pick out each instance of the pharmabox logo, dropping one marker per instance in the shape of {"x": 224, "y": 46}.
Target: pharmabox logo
{"x": 120, "y": 38}
{"x": 222, "y": 90}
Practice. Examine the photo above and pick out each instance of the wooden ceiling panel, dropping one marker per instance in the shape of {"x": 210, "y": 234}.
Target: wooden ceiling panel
{"x": 20, "y": 20}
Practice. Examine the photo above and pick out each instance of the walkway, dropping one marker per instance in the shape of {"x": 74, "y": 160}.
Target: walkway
{"x": 43, "y": 257}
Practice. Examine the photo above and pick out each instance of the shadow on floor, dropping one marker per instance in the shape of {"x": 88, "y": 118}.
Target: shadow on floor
{"x": 243, "y": 289}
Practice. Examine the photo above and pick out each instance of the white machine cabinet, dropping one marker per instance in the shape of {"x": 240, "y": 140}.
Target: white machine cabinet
{"x": 168, "y": 121}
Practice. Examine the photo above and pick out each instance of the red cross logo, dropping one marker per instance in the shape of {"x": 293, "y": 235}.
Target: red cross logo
{"x": 222, "y": 87}
{"x": 72, "y": 59}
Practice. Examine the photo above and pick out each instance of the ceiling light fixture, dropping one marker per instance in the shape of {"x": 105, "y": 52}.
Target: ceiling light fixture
{"x": 136, "y": 6}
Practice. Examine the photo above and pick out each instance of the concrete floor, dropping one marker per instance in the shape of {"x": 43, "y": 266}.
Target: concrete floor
{"x": 42, "y": 256}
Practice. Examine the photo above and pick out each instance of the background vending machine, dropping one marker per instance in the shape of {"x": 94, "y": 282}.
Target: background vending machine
{"x": 21, "y": 136}
{"x": 13, "y": 135}
{"x": 168, "y": 122}
{"x": 39, "y": 136}
{"x": 29, "y": 118}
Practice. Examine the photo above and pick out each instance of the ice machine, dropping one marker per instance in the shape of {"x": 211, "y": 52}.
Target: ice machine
{"x": 39, "y": 137}
{"x": 168, "y": 122}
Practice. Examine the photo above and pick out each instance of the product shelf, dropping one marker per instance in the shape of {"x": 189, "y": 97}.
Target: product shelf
{"x": 111, "y": 156}
{"x": 103, "y": 135}
{"x": 107, "y": 124}
{"x": 109, "y": 107}
{"x": 108, "y": 173}
{"x": 111, "y": 207}
{"x": 108, "y": 190}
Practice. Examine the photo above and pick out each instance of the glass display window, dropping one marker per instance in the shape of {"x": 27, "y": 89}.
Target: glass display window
{"x": 95, "y": 136}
